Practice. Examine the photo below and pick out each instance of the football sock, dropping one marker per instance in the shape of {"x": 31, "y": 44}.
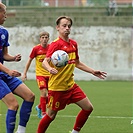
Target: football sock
{"x": 81, "y": 119}
{"x": 21, "y": 129}
{"x": 10, "y": 120}
{"x": 39, "y": 106}
{"x": 43, "y": 104}
{"x": 25, "y": 113}
{"x": 44, "y": 123}
{"x": 73, "y": 131}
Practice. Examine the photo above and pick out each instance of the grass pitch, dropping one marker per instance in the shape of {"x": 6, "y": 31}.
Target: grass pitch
{"x": 112, "y": 101}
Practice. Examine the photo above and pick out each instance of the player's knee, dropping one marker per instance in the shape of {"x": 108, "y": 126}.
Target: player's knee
{"x": 89, "y": 109}
{"x": 30, "y": 97}
{"x": 52, "y": 114}
{"x": 14, "y": 106}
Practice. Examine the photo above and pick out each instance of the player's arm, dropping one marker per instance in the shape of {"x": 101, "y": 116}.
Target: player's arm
{"x": 85, "y": 68}
{"x": 8, "y": 57}
{"x": 24, "y": 77}
{"x": 46, "y": 66}
{"x": 13, "y": 73}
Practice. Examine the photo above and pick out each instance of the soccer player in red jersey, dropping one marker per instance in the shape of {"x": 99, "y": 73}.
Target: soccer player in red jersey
{"x": 42, "y": 76}
{"x": 62, "y": 89}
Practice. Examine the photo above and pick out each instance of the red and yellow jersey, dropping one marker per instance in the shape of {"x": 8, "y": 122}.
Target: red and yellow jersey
{"x": 63, "y": 80}
{"x": 39, "y": 53}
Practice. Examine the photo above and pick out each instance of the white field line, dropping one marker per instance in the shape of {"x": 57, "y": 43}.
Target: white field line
{"x": 98, "y": 117}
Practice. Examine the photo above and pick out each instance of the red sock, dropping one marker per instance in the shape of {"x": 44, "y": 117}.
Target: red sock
{"x": 44, "y": 123}
{"x": 81, "y": 119}
{"x": 43, "y": 101}
{"x": 39, "y": 106}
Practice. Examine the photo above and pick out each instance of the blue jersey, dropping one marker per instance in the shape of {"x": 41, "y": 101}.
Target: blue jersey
{"x": 7, "y": 83}
{"x": 3, "y": 41}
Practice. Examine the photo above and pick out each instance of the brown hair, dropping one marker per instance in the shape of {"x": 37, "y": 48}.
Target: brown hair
{"x": 63, "y": 17}
{"x": 44, "y": 33}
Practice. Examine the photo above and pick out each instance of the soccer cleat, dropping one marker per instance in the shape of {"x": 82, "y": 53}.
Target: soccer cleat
{"x": 131, "y": 122}
{"x": 39, "y": 112}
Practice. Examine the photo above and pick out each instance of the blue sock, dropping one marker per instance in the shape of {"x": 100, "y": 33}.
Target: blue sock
{"x": 10, "y": 120}
{"x": 25, "y": 112}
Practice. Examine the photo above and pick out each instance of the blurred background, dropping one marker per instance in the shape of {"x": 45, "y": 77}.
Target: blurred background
{"x": 55, "y": 3}
{"x": 105, "y": 42}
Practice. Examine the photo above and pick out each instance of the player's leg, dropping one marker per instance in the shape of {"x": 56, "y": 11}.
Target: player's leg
{"x": 41, "y": 108}
{"x": 12, "y": 105}
{"x": 84, "y": 103}
{"x": 9, "y": 99}
{"x": 43, "y": 100}
{"x": 83, "y": 115}
{"x": 43, "y": 85}
{"x": 56, "y": 101}
{"x": 46, "y": 120}
{"x": 28, "y": 96}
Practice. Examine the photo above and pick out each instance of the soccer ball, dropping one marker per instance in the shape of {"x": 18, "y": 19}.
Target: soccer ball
{"x": 59, "y": 58}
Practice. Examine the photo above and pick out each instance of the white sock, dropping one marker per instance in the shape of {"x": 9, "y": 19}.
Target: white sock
{"x": 21, "y": 129}
{"x": 74, "y": 131}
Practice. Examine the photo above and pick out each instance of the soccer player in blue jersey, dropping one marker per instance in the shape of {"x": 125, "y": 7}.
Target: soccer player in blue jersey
{"x": 10, "y": 85}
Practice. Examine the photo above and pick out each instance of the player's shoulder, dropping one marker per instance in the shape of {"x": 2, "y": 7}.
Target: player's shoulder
{"x": 73, "y": 41}
{"x": 3, "y": 29}
{"x": 36, "y": 46}
{"x": 56, "y": 40}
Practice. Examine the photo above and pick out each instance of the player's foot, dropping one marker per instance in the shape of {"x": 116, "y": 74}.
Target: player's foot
{"x": 131, "y": 121}
{"x": 70, "y": 132}
{"x": 39, "y": 112}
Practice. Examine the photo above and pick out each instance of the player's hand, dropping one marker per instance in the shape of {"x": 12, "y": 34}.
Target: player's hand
{"x": 18, "y": 57}
{"x": 53, "y": 70}
{"x": 24, "y": 77}
{"x": 14, "y": 73}
{"x": 101, "y": 75}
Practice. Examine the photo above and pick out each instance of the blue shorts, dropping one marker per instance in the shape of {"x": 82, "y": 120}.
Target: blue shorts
{"x": 8, "y": 84}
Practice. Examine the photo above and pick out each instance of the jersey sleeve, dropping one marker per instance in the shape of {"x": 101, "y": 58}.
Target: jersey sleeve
{"x": 77, "y": 56}
{"x": 52, "y": 48}
{"x": 4, "y": 38}
{"x": 76, "y": 47}
{"x": 33, "y": 53}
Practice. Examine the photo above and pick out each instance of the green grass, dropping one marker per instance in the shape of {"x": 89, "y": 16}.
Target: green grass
{"x": 112, "y": 101}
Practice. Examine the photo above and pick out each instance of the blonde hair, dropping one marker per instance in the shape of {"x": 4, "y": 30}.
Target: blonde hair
{"x": 44, "y": 33}
{"x": 2, "y": 7}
